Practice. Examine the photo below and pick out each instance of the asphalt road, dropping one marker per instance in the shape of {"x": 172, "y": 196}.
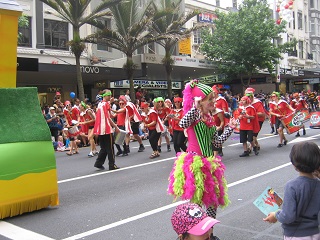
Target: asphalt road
{"x": 132, "y": 203}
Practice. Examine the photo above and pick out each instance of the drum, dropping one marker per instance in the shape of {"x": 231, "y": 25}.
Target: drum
{"x": 292, "y": 122}
{"x": 237, "y": 128}
{"x": 73, "y": 131}
{"x": 315, "y": 120}
{"x": 119, "y": 137}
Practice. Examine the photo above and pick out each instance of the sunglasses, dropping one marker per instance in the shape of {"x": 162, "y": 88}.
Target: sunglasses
{"x": 121, "y": 103}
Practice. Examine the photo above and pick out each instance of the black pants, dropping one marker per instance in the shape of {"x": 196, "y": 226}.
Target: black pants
{"x": 179, "y": 141}
{"x": 106, "y": 145}
{"x": 153, "y": 139}
{"x": 54, "y": 133}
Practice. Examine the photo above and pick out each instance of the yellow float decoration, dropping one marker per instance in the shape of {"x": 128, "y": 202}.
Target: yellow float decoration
{"x": 28, "y": 176}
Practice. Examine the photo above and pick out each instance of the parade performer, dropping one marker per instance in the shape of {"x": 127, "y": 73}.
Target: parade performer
{"x": 298, "y": 103}
{"x": 87, "y": 120}
{"x": 196, "y": 175}
{"x": 72, "y": 116}
{"x": 120, "y": 116}
{"x": 162, "y": 110}
{"x": 132, "y": 121}
{"x": 221, "y": 103}
{"x": 153, "y": 124}
{"x": 218, "y": 117}
{"x": 258, "y": 106}
{"x": 248, "y": 125}
{"x": 176, "y": 114}
{"x": 103, "y": 127}
{"x": 279, "y": 108}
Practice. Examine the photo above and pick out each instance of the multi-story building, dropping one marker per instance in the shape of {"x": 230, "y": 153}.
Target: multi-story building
{"x": 314, "y": 15}
{"x": 44, "y": 59}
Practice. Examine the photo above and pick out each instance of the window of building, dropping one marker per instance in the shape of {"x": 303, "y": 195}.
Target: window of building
{"x": 311, "y": 3}
{"x": 294, "y": 20}
{"x": 25, "y": 35}
{"x": 218, "y": 3}
{"x": 56, "y": 34}
{"x": 300, "y": 49}
{"x": 140, "y": 50}
{"x": 312, "y": 27}
{"x": 152, "y": 48}
{"x": 300, "y": 20}
{"x": 197, "y": 36}
{"x": 305, "y": 24}
{"x": 103, "y": 47}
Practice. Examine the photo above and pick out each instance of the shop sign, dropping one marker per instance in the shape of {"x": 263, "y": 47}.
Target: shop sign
{"x": 300, "y": 73}
{"x": 313, "y": 80}
{"x": 206, "y": 17}
{"x": 100, "y": 85}
{"x": 185, "y": 46}
{"x": 301, "y": 82}
{"x": 90, "y": 69}
{"x": 54, "y": 89}
{"x": 145, "y": 84}
{"x": 258, "y": 80}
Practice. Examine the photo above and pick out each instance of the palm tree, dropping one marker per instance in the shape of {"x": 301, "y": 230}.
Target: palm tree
{"x": 74, "y": 12}
{"x": 172, "y": 26}
{"x": 132, "y": 31}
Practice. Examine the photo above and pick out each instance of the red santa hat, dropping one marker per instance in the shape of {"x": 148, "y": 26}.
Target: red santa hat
{"x": 144, "y": 105}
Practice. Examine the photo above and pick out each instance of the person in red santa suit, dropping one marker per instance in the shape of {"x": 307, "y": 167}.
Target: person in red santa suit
{"x": 87, "y": 119}
{"x": 132, "y": 121}
{"x": 258, "y": 106}
{"x": 248, "y": 125}
{"x": 218, "y": 117}
{"x": 162, "y": 110}
{"x": 280, "y": 108}
{"x": 103, "y": 127}
{"x": 120, "y": 115}
{"x": 153, "y": 124}
{"x": 298, "y": 103}
{"x": 72, "y": 116}
{"x": 176, "y": 114}
{"x": 222, "y": 104}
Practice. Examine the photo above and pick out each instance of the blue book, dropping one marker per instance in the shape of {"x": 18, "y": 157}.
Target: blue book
{"x": 268, "y": 201}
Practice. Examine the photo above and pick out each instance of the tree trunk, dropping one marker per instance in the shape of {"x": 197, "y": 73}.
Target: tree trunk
{"x": 79, "y": 79}
{"x": 168, "y": 66}
{"x": 77, "y": 53}
{"x": 130, "y": 71}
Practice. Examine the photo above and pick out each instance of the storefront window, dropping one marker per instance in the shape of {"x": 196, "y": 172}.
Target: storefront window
{"x": 55, "y": 34}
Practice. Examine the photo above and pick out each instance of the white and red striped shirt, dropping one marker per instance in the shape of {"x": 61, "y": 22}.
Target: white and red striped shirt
{"x": 102, "y": 124}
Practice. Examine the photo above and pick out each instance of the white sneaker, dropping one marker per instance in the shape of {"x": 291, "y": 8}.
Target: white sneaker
{"x": 90, "y": 154}
{"x": 96, "y": 153}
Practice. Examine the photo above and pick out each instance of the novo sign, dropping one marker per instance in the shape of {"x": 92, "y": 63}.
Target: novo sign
{"x": 90, "y": 69}
{"x": 147, "y": 84}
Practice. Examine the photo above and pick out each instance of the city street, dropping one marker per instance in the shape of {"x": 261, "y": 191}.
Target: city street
{"x": 132, "y": 202}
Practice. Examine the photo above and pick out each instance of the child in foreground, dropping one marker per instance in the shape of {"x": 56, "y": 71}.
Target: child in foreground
{"x": 191, "y": 222}
{"x": 301, "y": 206}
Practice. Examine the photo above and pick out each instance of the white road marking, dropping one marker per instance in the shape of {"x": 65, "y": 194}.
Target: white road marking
{"x": 17, "y": 233}
{"x": 303, "y": 139}
{"x": 118, "y": 170}
{"x": 155, "y": 211}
